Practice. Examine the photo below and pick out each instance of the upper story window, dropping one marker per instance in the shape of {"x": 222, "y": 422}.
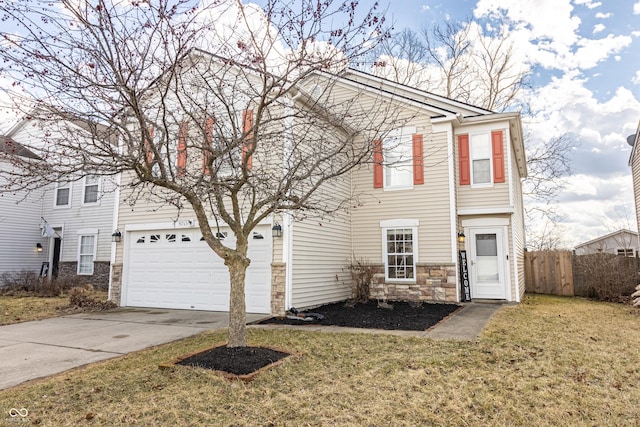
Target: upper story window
{"x": 91, "y": 190}
{"x": 481, "y": 158}
{"x": 398, "y": 161}
{"x": 62, "y": 195}
{"x": 480, "y": 148}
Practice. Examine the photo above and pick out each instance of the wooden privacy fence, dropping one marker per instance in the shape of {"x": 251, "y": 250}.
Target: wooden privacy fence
{"x": 549, "y": 272}
{"x": 602, "y": 275}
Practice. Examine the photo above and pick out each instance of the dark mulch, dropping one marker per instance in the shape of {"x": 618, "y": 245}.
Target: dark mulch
{"x": 403, "y": 316}
{"x": 235, "y": 360}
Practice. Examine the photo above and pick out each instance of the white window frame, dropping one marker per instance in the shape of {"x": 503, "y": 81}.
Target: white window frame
{"x": 61, "y": 186}
{"x": 398, "y": 141}
{"x": 473, "y": 156}
{"x": 87, "y": 233}
{"x": 395, "y": 225}
{"x": 98, "y": 184}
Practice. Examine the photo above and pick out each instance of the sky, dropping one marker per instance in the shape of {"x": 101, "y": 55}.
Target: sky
{"x": 585, "y": 57}
{"x": 586, "y": 83}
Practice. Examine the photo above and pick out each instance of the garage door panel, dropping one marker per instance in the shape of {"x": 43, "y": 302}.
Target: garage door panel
{"x": 175, "y": 269}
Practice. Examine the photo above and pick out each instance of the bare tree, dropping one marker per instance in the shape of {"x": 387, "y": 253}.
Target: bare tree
{"x": 477, "y": 64}
{"x": 220, "y": 108}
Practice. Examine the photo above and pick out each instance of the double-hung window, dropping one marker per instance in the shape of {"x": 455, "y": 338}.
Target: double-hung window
{"x": 398, "y": 158}
{"x": 400, "y": 249}
{"x": 480, "y": 159}
{"x": 91, "y": 190}
{"x": 87, "y": 246}
{"x": 62, "y": 195}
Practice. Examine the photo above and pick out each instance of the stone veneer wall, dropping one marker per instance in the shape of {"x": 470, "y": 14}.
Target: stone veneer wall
{"x": 99, "y": 279}
{"x": 434, "y": 282}
{"x": 116, "y": 283}
{"x": 278, "y": 285}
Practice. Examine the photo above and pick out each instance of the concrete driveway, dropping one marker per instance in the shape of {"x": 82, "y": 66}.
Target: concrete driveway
{"x": 40, "y": 348}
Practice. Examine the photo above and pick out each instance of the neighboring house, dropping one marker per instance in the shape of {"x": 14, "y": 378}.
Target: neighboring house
{"x": 73, "y": 220}
{"x": 448, "y": 171}
{"x": 20, "y": 214}
{"x": 621, "y": 242}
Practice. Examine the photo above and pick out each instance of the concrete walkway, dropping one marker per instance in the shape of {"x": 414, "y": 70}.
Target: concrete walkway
{"x": 465, "y": 324}
{"x": 40, "y": 348}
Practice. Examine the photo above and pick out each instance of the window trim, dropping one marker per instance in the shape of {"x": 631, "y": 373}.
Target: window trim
{"x": 84, "y": 191}
{"x": 405, "y": 134}
{"x": 397, "y": 224}
{"x": 81, "y": 234}
{"x": 61, "y": 185}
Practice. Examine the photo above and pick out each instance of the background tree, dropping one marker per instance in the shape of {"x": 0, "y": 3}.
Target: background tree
{"x": 202, "y": 107}
{"x": 478, "y": 63}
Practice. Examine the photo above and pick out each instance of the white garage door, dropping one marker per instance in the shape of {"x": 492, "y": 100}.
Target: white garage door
{"x": 177, "y": 269}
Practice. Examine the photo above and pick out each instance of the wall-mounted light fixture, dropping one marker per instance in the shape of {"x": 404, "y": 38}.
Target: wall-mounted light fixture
{"x": 276, "y": 230}
{"x": 38, "y": 247}
{"x": 461, "y": 237}
{"x": 116, "y": 236}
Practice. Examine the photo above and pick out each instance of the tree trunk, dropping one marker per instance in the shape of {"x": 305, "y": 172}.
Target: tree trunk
{"x": 237, "y": 266}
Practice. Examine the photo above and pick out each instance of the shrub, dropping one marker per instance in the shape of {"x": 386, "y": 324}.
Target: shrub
{"x": 606, "y": 277}
{"x": 361, "y": 275}
{"x": 30, "y": 283}
{"x": 79, "y": 298}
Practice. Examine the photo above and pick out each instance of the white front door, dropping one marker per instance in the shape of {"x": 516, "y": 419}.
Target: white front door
{"x": 487, "y": 263}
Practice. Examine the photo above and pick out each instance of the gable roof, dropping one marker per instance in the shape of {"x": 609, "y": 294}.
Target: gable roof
{"x": 11, "y": 147}
{"x": 597, "y": 239}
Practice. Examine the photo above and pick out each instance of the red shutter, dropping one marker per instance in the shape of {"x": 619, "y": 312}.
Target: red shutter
{"x": 498, "y": 156}
{"x": 207, "y": 145}
{"x": 148, "y": 150}
{"x": 464, "y": 161}
{"x": 181, "y": 162}
{"x": 247, "y": 130}
{"x": 378, "y": 180}
{"x": 418, "y": 159}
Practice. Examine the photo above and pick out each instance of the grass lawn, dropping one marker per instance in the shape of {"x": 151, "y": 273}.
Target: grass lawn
{"x": 16, "y": 309}
{"x": 548, "y": 361}
{"x": 23, "y": 309}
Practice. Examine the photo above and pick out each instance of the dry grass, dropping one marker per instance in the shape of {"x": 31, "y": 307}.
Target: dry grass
{"x": 549, "y": 361}
{"x": 16, "y": 309}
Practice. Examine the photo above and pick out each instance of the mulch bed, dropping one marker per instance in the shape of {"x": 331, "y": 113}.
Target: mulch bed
{"x": 238, "y": 361}
{"x": 403, "y": 316}
{"x": 244, "y": 362}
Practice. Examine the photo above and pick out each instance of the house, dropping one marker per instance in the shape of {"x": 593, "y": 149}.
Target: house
{"x": 439, "y": 217}
{"x": 72, "y": 222}
{"x": 622, "y": 242}
{"x": 23, "y": 248}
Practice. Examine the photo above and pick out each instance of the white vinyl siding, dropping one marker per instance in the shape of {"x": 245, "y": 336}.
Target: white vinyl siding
{"x": 87, "y": 253}
{"x": 79, "y": 216}
{"x": 19, "y": 230}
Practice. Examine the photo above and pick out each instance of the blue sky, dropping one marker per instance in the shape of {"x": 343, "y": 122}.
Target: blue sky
{"x": 586, "y": 83}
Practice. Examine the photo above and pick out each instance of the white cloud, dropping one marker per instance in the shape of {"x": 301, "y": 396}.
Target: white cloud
{"x": 598, "y": 28}
{"x": 636, "y": 8}
{"x": 636, "y": 78}
{"x": 601, "y": 15}
{"x": 588, "y": 3}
